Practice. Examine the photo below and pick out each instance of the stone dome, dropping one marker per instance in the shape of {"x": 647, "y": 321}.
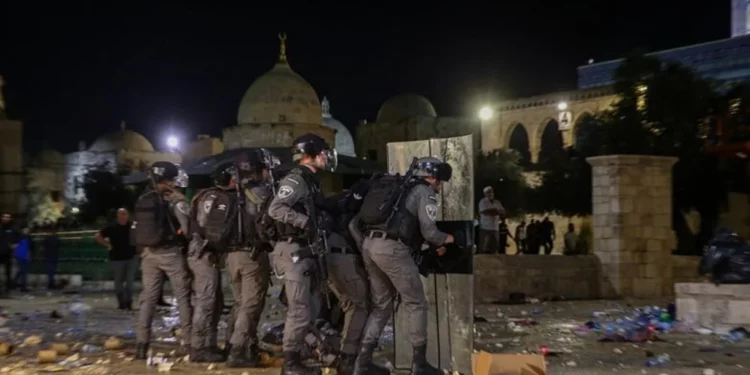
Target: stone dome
{"x": 49, "y": 158}
{"x": 344, "y": 140}
{"x": 402, "y": 106}
{"x": 280, "y": 96}
{"x": 125, "y": 139}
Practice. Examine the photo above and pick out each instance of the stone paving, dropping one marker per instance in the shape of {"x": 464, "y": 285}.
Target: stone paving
{"x": 690, "y": 353}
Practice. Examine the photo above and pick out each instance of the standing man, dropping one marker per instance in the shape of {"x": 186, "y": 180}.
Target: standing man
{"x": 490, "y": 212}
{"x": 503, "y": 234}
{"x": 8, "y": 239}
{"x": 248, "y": 263}
{"x": 547, "y": 235}
{"x": 392, "y": 235}
{"x": 348, "y": 279}
{"x": 51, "y": 247}
{"x": 294, "y": 208}
{"x": 162, "y": 217}
{"x": 116, "y": 238}
{"x": 532, "y": 238}
{"x": 23, "y": 254}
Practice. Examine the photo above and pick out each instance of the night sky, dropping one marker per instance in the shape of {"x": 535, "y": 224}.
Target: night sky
{"x": 74, "y": 71}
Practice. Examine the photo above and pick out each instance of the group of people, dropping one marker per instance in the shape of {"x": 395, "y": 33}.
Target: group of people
{"x": 16, "y": 247}
{"x": 363, "y": 245}
{"x": 529, "y": 238}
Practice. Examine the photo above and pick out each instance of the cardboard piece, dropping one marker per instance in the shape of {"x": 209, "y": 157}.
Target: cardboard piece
{"x": 484, "y": 363}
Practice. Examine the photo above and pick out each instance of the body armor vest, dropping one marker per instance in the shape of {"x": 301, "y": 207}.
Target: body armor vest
{"x": 313, "y": 186}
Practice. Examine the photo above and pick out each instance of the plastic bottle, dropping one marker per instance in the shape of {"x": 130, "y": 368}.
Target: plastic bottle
{"x": 660, "y": 360}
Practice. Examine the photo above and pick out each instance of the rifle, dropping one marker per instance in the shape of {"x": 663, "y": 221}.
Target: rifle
{"x": 319, "y": 245}
{"x": 402, "y": 190}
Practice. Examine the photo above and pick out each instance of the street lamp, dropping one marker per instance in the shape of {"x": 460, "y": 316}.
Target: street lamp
{"x": 562, "y": 106}
{"x": 172, "y": 142}
{"x": 486, "y": 113}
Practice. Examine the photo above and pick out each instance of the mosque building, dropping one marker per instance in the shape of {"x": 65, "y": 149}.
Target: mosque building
{"x": 409, "y": 117}
{"x": 123, "y": 152}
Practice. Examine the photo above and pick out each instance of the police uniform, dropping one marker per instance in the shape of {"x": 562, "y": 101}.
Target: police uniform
{"x": 249, "y": 274}
{"x": 203, "y": 264}
{"x": 158, "y": 261}
{"x": 392, "y": 269}
{"x": 293, "y": 208}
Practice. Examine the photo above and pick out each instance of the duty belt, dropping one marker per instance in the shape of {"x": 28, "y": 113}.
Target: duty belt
{"x": 291, "y": 239}
{"x": 381, "y": 234}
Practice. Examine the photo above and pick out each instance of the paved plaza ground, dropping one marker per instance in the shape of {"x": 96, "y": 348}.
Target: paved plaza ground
{"x": 29, "y": 315}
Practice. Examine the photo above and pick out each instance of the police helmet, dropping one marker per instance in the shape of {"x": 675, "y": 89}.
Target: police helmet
{"x": 223, "y": 174}
{"x": 164, "y": 171}
{"x": 313, "y": 145}
{"x": 433, "y": 167}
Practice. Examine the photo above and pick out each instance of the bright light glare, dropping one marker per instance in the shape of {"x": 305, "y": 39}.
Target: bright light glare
{"x": 172, "y": 141}
{"x": 562, "y": 106}
{"x": 75, "y": 210}
{"x": 486, "y": 113}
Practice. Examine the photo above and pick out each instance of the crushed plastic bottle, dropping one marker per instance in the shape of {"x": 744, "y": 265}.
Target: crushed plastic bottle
{"x": 660, "y": 360}
{"x": 89, "y": 348}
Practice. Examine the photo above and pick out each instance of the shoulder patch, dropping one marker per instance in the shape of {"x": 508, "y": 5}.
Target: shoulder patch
{"x": 432, "y": 210}
{"x": 285, "y": 191}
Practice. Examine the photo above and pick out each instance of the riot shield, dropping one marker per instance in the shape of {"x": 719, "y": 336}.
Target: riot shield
{"x": 449, "y": 284}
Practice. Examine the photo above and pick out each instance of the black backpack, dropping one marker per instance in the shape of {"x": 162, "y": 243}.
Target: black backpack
{"x": 220, "y": 228}
{"x": 152, "y": 224}
{"x": 384, "y": 194}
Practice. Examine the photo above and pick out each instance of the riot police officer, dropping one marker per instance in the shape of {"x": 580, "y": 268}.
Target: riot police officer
{"x": 347, "y": 277}
{"x": 294, "y": 209}
{"x": 204, "y": 262}
{"x": 387, "y": 251}
{"x": 248, "y": 266}
{"x": 160, "y": 223}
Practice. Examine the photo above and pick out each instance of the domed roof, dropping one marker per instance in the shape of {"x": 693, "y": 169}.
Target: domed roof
{"x": 344, "y": 141}
{"x": 49, "y": 158}
{"x": 123, "y": 140}
{"x": 402, "y": 106}
{"x": 280, "y": 96}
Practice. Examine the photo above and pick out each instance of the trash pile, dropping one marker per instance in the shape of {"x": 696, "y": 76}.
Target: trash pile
{"x": 636, "y": 325}
{"x": 322, "y": 341}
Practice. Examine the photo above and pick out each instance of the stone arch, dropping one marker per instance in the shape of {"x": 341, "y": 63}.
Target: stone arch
{"x": 518, "y": 140}
{"x": 551, "y": 142}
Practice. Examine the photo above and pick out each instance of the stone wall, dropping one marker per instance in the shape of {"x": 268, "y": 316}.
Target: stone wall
{"x": 271, "y": 135}
{"x": 720, "y": 308}
{"x": 632, "y": 217}
{"x": 571, "y": 277}
{"x": 11, "y": 166}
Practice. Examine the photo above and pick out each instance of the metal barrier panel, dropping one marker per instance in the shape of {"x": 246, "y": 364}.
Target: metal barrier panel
{"x": 449, "y": 285}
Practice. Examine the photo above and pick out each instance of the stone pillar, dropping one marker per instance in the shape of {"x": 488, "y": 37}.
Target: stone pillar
{"x": 632, "y": 216}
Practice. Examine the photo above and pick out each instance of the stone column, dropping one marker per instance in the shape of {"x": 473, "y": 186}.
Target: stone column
{"x": 632, "y": 216}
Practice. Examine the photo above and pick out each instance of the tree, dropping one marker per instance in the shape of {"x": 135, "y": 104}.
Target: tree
{"x": 663, "y": 109}
{"x": 105, "y": 193}
{"x": 43, "y": 210}
{"x": 501, "y": 170}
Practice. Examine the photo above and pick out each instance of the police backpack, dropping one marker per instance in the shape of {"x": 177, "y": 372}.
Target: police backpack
{"x": 220, "y": 227}
{"x": 152, "y": 225}
{"x": 384, "y": 194}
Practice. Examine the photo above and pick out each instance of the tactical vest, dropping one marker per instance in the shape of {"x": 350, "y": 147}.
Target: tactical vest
{"x": 403, "y": 225}
{"x": 154, "y": 224}
{"x": 223, "y": 213}
{"x": 288, "y": 230}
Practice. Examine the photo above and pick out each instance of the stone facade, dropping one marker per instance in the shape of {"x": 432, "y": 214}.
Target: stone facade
{"x": 202, "y": 147}
{"x": 572, "y": 277}
{"x": 533, "y": 114}
{"x": 373, "y": 138}
{"x": 718, "y": 307}
{"x": 11, "y": 166}
{"x": 272, "y": 135}
{"x": 632, "y": 217}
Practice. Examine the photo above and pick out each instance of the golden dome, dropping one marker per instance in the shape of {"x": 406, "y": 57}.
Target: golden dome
{"x": 126, "y": 140}
{"x": 280, "y": 96}
{"x": 403, "y": 106}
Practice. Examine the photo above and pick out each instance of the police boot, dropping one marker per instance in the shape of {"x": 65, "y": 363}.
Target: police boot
{"x": 293, "y": 365}
{"x": 227, "y": 348}
{"x": 203, "y": 355}
{"x": 141, "y": 351}
{"x": 237, "y": 358}
{"x": 345, "y": 364}
{"x": 419, "y": 365}
{"x": 364, "y": 364}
